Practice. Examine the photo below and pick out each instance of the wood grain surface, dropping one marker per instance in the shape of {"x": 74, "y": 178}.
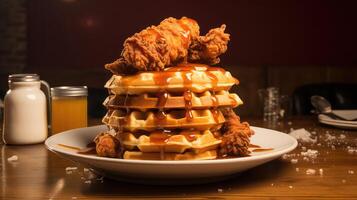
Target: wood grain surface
{"x": 40, "y": 174}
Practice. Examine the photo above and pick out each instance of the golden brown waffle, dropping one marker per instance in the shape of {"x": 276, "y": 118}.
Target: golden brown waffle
{"x": 199, "y": 100}
{"x": 195, "y": 141}
{"x": 137, "y": 155}
{"x": 197, "y": 80}
{"x": 149, "y": 120}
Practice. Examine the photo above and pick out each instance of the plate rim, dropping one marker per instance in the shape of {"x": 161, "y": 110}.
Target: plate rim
{"x": 327, "y": 120}
{"x": 176, "y": 162}
{"x": 339, "y": 125}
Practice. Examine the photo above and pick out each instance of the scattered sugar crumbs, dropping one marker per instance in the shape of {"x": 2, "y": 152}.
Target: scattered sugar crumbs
{"x": 13, "y": 158}
{"x": 87, "y": 175}
{"x": 310, "y": 153}
{"x": 302, "y": 135}
{"x": 327, "y": 139}
{"x": 352, "y": 150}
{"x": 294, "y": 161}
{"x": 310, "y": 171}
{"x": 321, "y": 172}
{"x": 70, "y": 170}
{"x": 312, "y": 138}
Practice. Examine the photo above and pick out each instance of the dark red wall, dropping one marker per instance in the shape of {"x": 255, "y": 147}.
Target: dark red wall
{"x": 90, "y": 33}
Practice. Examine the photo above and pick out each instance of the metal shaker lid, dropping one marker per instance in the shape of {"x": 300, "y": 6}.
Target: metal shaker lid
{"x": 69, "y": 91}
{"x": 23, "y": 78}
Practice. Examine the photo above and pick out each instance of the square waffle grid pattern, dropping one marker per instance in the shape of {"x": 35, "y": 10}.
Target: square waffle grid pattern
{"x": 174, "y": 100}
{"x": 143, "y": 107}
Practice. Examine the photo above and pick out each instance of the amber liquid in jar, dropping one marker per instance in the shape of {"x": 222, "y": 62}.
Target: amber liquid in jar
{"x": 68, "y": 112}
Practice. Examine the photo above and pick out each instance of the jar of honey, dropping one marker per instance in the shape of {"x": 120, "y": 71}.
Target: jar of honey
{"x": 69, "y": 108}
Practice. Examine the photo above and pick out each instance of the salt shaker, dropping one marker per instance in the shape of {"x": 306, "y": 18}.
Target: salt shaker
{"x": 25, "y": 110}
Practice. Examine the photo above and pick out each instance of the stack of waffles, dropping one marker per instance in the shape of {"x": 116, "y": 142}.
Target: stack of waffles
{"x": 173, "y": 114}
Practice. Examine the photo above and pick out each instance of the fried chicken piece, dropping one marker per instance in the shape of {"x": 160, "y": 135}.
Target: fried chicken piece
{"x": 107, "y": 145}
{"x": 171, "y": 42}
{"x": 208, "y": 48}
{"x": 235, "y": 136}
{"x": 120, "y": 66}
{"x": 157, "y": 46}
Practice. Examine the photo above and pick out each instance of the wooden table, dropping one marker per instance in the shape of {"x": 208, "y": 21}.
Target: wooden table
{"x": 40, "y": 174}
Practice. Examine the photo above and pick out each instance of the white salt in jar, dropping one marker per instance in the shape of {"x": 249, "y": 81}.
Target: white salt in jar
{"x": 25, "y": 110}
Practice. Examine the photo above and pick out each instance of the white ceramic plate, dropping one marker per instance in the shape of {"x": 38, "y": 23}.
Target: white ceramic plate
{"x": 166, "y": 172}
{"x": 348, "y": 114}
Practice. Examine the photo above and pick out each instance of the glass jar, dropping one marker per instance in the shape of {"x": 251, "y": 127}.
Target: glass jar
{"x": 69, "y": 108}
{"x": 25, "y": 110}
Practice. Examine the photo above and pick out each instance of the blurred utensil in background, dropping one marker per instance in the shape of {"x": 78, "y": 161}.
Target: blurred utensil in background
{"x": 324, "y": 107}
{"x": 274, "y": 105}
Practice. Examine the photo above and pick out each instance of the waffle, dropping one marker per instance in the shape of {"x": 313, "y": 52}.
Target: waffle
{"x": 194, "y": 141}
{"x": 137, "y": 155}
{"x": 147, "y": 101}
{"x": 172, "y": 81}
{"x": 149, "y": 121}
{"x": 161, "y": 107}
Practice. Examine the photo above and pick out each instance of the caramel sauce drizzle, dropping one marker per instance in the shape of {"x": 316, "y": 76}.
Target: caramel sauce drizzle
{"x": 87, "y": 150}
{"x": 90, "y": 149}
{"x": 162, "y": 99}
{"x": 215, "y": 102}
{"x": 262, "y": 149}
{"x": 259, "y": 148}
{"x": 193, "y": 67}
{"x": 69, "y": 147}
{"x": 190, "y": 135}
{"x": 162, "y": 80}
{"x": 160, "y": 137}
{"x": 254, "y": 146}
{"x": 163, "y": 96}
{"x": 185, "y": 34}
{"x": 157, "y": 34}
{"x": 162, "y": 152}
{"x": 125, "y": 103}
{"x": 187, "y": 95}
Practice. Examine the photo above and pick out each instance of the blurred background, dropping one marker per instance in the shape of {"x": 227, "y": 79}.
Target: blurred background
{"x": 301, "y": 47}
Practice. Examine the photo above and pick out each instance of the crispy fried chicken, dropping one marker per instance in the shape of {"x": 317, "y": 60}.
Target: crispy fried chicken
{"x": 171, "y": 42}
{"x": 156, "y": 47}
{"x": 107, "y": 145}
{"x": 235, "y": 136}
{"x": 208, "y": 48}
